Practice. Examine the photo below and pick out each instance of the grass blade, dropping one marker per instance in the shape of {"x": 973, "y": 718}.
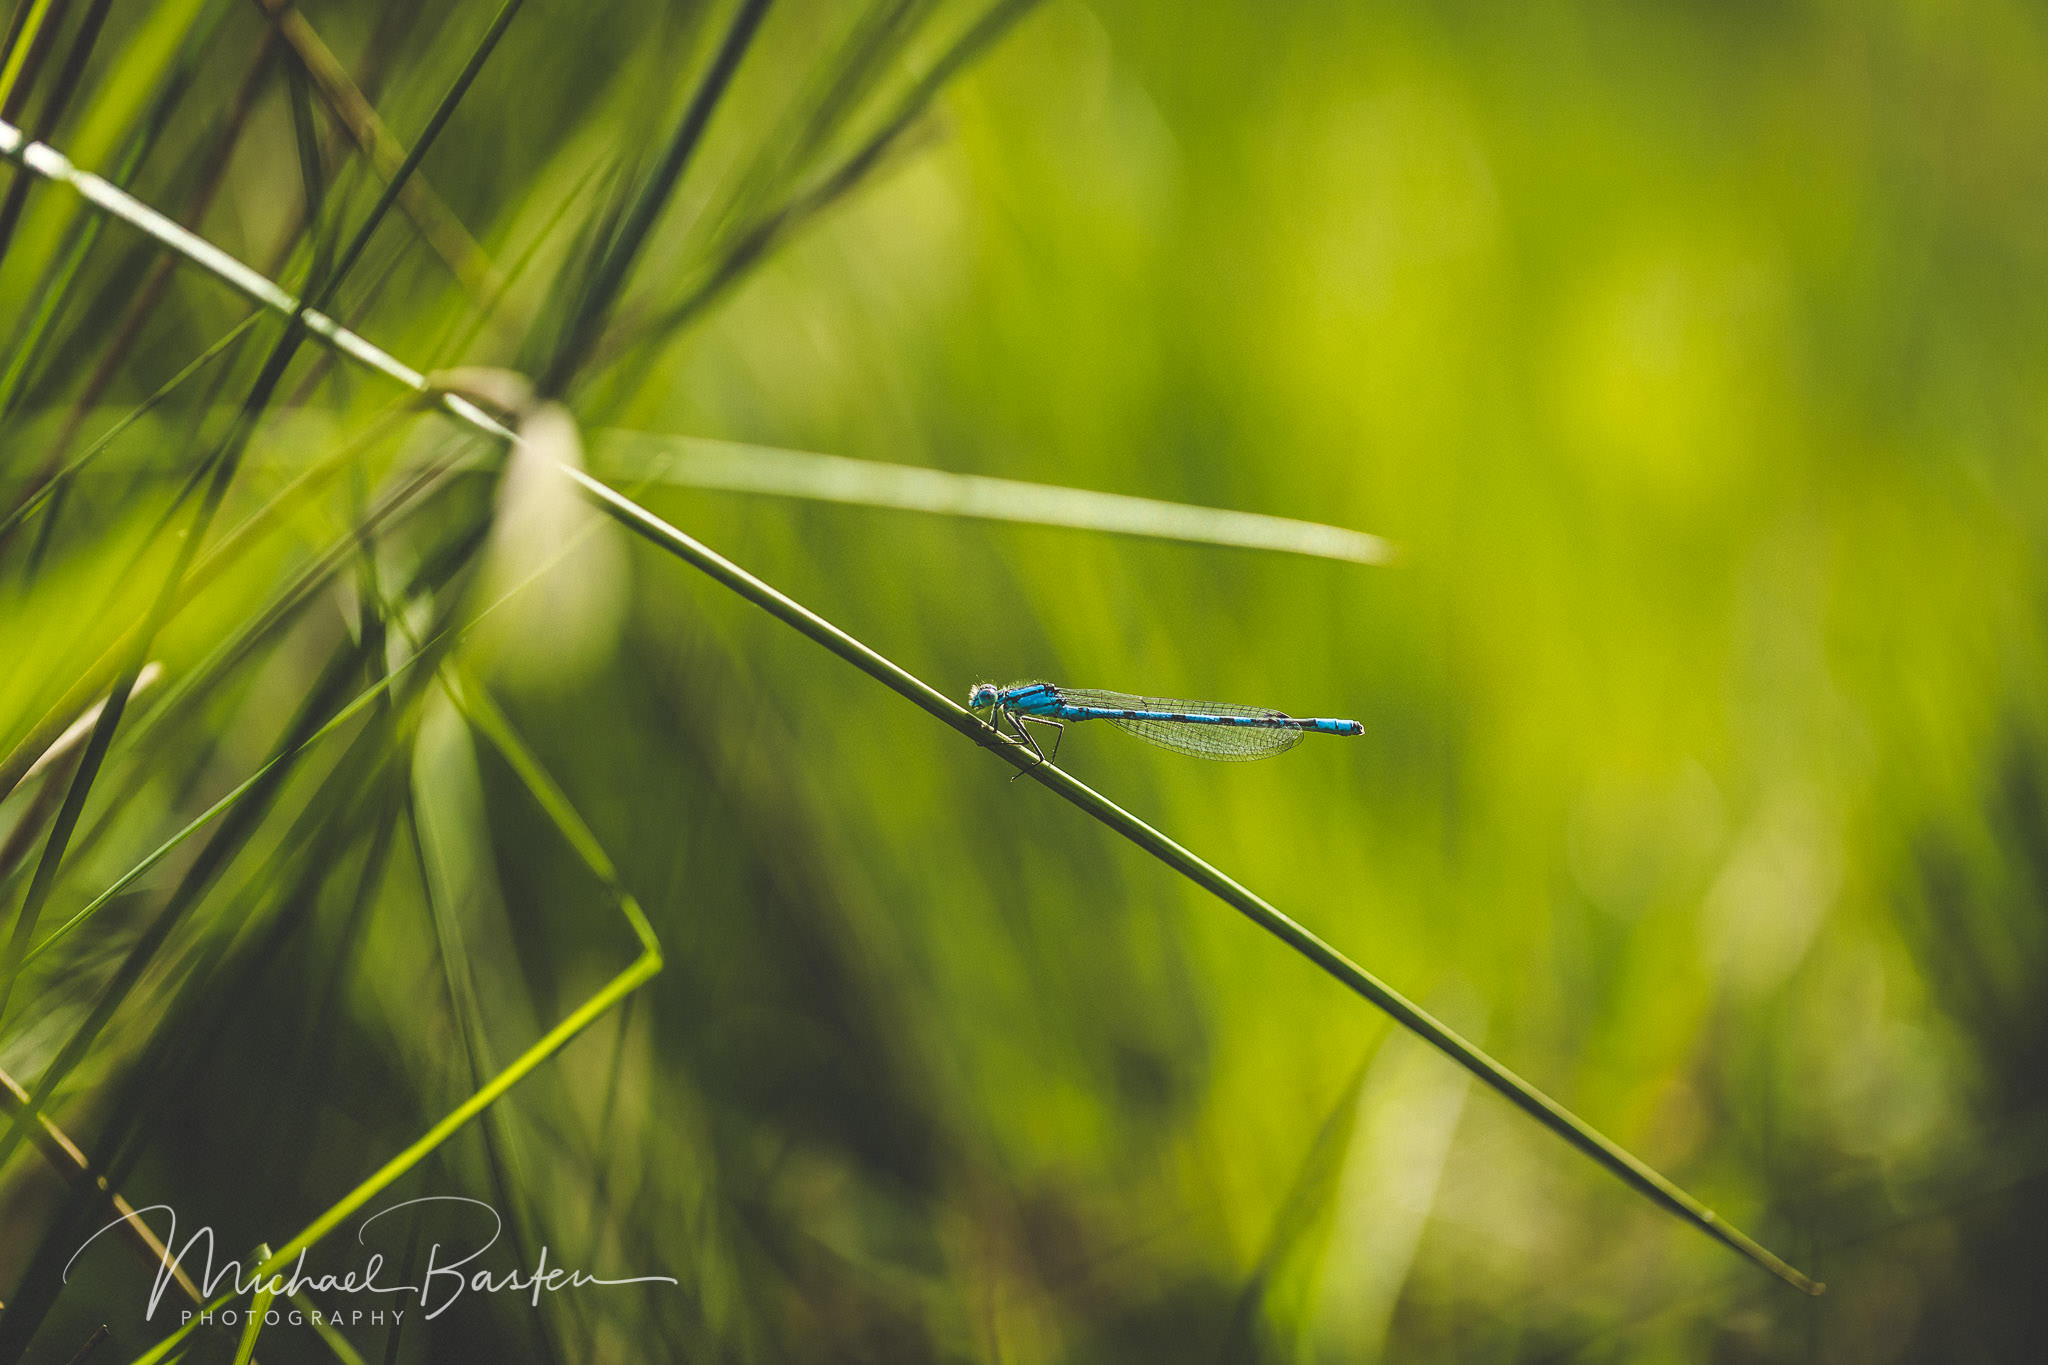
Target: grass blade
{"x": 24, "y": 46}
{"x": 733, "y": 467}
{"x": 437, "y": 223}
{"x": 487, "y": 283}
{"x": 45, "y": 487}
{"x": 1303, "y": 1213}
{"x": 617, "y": 263}
{"x": 771, "y": 228}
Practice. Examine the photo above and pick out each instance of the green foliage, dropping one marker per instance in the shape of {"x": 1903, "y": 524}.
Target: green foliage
{"x": 1686, "y": 354}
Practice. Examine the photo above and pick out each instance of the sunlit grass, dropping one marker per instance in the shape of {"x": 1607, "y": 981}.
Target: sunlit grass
{"x": 1701, "y": 706}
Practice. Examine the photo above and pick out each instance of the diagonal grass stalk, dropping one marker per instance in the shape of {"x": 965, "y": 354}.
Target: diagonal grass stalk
{"x": 98, "y": 677}
{"x": 48, "y": 162}
{"x": 613, "y": 268}
{"x": 44, "y": 488}
{"x": 1623, "y": 1164}
{"x": 23, "y": 41}
{"x": 55, "y": 290}
{"x": 252, "y": 1324}
{"x": 773, "y": 227}
{"x": 1546, "y": 1111}
{"x": 68, "y": 1159}
{"x": 436, "y": 222}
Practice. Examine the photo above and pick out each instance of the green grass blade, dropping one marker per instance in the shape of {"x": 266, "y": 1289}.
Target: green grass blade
{"x": 24, "y": 41}
{"x": 609, "y": 280}
{"x": 734, "y": 467}
{"x": 226, "y": 843}
{"x": 1303, "y": 1211}
{"x": 55, "y": 291}
{"x": 415, "y": 154}
{"x": 43, "y": 490}
{"x": 49, "y": 163}
{"x": 435, "y": 851}
{"x": 773, "y": 227}
{"x": 642, "y": 969}
{"x": 252, "y": 1323}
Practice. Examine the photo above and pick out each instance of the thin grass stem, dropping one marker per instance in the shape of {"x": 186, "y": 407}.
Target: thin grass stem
{"x": 620, "y": 254}
{"x": 47, "y": 486}
{"x": 437, "y": 223}
{"x": 773, "y": 227}
{"x": 489, "y": 284}
{"x": 26, "y": 42}
{"x": 211, "y": 173}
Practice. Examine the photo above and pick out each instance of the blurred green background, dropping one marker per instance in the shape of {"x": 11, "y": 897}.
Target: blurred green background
{"x": 1693, "y": 357}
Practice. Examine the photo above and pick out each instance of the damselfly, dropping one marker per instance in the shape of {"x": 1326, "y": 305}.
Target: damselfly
{"x": 1206, "y": 729}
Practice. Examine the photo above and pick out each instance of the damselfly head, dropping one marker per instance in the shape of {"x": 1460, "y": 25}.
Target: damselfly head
{"x": 982, "y": 697}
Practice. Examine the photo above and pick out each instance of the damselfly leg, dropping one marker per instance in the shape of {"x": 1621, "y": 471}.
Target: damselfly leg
{"x": 1017, "y": 723}
{"x": 1024, "y": 737}
{"x": 1059, "y": 732}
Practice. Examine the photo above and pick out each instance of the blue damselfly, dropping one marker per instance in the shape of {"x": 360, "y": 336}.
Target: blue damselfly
{"x": 1206, "y": 729}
